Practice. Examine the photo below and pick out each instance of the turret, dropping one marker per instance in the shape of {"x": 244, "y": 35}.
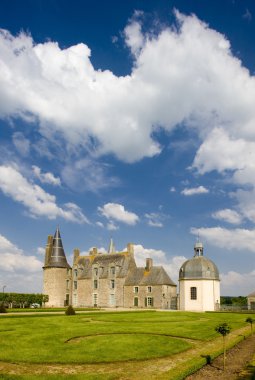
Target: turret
{"x": 56, "y": 272}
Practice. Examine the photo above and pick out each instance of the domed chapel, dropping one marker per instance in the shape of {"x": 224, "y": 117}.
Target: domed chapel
{"x": 199, "y": 283}
{"x": 113, "y": 279}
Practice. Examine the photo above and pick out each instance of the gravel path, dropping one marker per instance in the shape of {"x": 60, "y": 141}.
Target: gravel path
{"x": 236, "y": 360}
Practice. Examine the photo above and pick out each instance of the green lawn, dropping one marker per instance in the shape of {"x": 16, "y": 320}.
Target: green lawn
{"x": 104, "y": 337}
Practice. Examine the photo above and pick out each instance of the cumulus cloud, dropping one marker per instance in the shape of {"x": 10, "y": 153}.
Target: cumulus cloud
{"x": 46, "y": 177}
{"x": 13, "y": 259}
{"x": 71, "y": 99}
{"x": 172, "y": 265}
{"x": 228, "y": 215}
{"x": 38, "y": 202}
{"x": 234, "y": 283}
{"x": 195, "y": 191}
{"x": 118, "y": 213}
{"x": 231, "y": 239}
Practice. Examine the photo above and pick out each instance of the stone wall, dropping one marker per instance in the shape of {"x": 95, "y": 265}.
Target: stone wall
{"x": 55, "y": 286}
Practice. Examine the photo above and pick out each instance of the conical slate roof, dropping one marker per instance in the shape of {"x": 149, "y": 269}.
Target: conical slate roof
{"x": 58, "y": 258}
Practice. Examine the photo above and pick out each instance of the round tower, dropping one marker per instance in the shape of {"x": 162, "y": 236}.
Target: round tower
{"x": 199, "y": 283}
{"x": 56, "y": 273}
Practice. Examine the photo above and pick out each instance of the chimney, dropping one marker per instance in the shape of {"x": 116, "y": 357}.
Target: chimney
{"x": 76, "y": 254}
{"x": 149, "y": 264}
{"x": 94, "y": 251}
{"x": 130, "y": 248}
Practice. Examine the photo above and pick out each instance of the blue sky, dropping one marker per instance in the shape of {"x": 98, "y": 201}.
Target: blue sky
{"x": 133, "y": 120}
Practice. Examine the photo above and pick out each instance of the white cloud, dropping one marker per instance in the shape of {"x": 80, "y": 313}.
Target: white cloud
{"x": 62, "y": 89}
{"x": 35, "y": 199}
{"x": 117, "y": 212}
{"x": 100, "y": 224}
{"x": 195, "y": 191}
{"x": 111, "y": 226}
{"x": 172, "y": 189}
{"x": 228, "y": 215}
{"x": 134, "y": 37}
{"x": 87, "y": 174}
{"x": 41, "y": 251}
{"x": 231, "y": 239}
{"x": 13, "y": 259}
{"x": 155, "y": 219}
{"x": 235, "y": 284}
{"x": 172, "y": 265}
{"x": 46, "y": 177}
{"x": 21, "y": 143}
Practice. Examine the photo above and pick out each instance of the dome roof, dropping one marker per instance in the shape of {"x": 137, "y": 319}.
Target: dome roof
{"x": 199, "y": 267}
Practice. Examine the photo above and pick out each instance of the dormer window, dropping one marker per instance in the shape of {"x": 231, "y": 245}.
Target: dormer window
{"x": 112, "y": 271}
{"x": 95, "y": 271}
{"x": 75, "y": 272}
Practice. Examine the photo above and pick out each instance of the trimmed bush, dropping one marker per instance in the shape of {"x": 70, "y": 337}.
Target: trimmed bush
{"x": 2, "y": 308}
{"x": 70, "y": 310}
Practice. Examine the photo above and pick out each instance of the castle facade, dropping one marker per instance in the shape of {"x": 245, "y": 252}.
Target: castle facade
{"x": 104, "y": 280}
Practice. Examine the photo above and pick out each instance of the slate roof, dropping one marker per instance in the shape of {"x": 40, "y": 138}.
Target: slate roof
{"x": 252, "y": 294}
{"x": 122, "y": 262}
{"x": 57, "y": 258}
{"x": 155, "y": 276}
{"x": 199, "y": 267}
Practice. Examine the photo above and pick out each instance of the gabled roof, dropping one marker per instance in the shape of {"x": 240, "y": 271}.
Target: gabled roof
{"x": 155, "y": 276}
{"x": 252, "y": 294}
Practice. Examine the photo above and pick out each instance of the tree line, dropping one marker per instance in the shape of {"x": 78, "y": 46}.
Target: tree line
{"x": 22, "y": 300}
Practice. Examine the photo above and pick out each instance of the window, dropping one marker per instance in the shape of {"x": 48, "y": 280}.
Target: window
{"x": 148, "y": 301}
{"x": 112, "y": 299}
{"x": 95, "y": 271}
{"x": 149, "y": 289}
{"x": 135, "y": 289}
{"x": 95, "y": 284}
{"x": 75, "y": 285}
{"x": 95, "y": 300}
{"x": 75, "y": 273}
{"x": 193, "y": 293}
{"x": 112, "y": 271}
{"x": 67, "y": 284}
{"x": 112, "y": 284}
{"x": 75, "y": 300}
{"x": 135, "y": 301}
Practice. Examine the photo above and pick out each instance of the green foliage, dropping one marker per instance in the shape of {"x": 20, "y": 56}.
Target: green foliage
{"x": 70, "y": 310}
{"x": 23, "y": 299}
{"x": 223, "y": 329}
{"x": 2, "y": 308}
{"x": 235, "y": 301}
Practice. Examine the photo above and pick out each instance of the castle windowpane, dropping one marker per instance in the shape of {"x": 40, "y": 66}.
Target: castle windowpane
{"x": 112, "y": 284}
{"x": 193, "y": 293}
{"x": 95, "y": 284}
{"x": 75, "y": 285}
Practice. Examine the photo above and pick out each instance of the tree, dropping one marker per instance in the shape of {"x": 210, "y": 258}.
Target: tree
{"x": 224, "y": 330}
{"x": 70, "y": 310}
{"x": 250, "y": 320}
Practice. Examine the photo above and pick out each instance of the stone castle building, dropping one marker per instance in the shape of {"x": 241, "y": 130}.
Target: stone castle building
{"x": 104, "y": 280}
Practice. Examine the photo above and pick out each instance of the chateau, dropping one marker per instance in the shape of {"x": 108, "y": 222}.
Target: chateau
{"x": 113, "y": 280}
{"x": 104, "y": 280}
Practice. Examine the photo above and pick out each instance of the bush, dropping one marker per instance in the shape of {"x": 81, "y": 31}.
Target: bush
{"x": 70, "y": 310}
{"x": 2, "y": 308}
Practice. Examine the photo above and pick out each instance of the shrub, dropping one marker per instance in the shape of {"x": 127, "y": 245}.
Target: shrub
{"x": 70, "y": 310}
{"x": 2, "y": 308}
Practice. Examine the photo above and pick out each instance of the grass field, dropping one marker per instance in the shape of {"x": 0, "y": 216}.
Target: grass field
{"x": 96, "y": 342}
